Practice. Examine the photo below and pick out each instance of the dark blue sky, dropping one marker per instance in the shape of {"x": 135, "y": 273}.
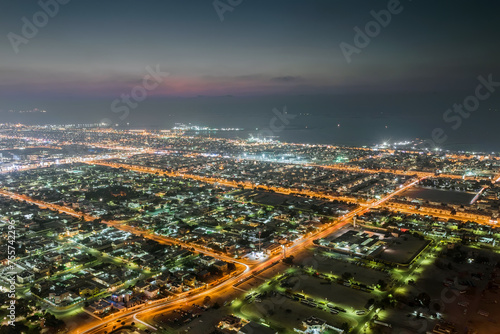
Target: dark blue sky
{"x": 283, "y": 51}
{"x": 98, "y": 48}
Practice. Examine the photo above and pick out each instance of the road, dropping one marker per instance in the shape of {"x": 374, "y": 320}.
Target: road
{"x": 119, "y": 225}
{"x": 385, "y": 170}
{"x": 227, "y": 183}
{"x": 250, "y": 268}
{"x": 144, "y": 150}
{"x": 46, "y": 164}
{"x": 408, "y": 208}
{"x": 297, "y": 247}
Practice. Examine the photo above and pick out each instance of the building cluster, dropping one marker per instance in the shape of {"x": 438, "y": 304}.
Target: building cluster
{"x": 110, "y": 219}
{"x": 68, "y": 261}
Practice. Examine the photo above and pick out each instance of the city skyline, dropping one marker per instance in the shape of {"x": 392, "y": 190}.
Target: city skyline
{"x": 232, "y": 73}
{"x": 249, "y": 166}
{"x": 147, "y": 231}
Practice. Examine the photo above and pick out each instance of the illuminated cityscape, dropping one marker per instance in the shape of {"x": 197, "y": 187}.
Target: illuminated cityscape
{"x": 114, "y": 230}
{"x": 249, "y": 167}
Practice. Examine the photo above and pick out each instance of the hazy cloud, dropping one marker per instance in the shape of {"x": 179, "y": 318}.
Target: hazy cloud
{"x": 287, "y": 78}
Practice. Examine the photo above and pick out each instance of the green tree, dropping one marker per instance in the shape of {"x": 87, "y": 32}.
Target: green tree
{"x": 52, "y": 322}
{"x": 347, "y": 275}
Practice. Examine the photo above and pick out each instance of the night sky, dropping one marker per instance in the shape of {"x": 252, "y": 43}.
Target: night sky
{"x": 264, "y": 54}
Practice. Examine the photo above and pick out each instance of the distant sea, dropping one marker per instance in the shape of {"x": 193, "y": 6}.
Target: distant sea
{"x": 353, "y": 120}
{"x": 472, "y": 137}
